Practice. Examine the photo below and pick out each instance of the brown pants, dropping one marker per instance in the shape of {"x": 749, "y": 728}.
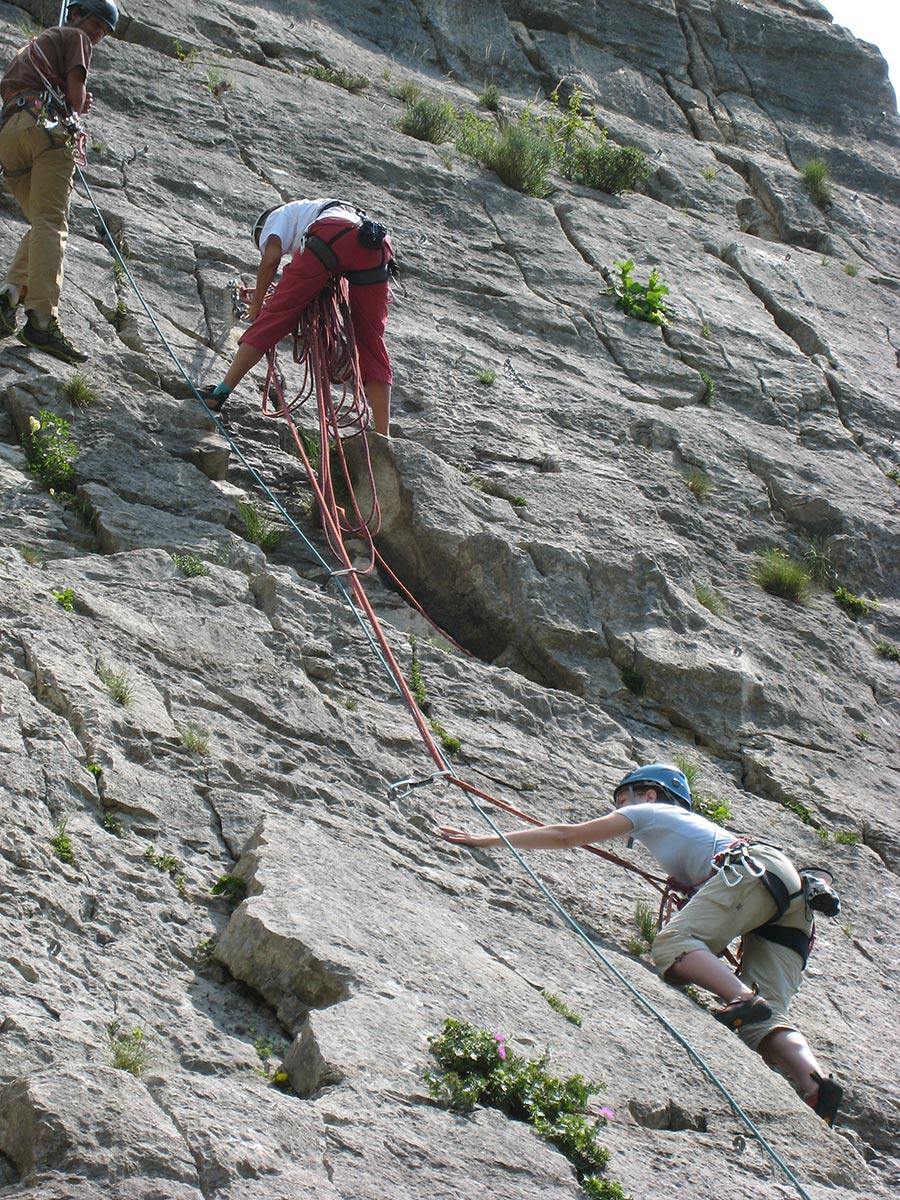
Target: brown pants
{"x": 38, "y": 168}
{"x": 718, "y": 914}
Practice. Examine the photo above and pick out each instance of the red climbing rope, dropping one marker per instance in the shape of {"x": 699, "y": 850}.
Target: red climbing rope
{"x": 325, "y": 346}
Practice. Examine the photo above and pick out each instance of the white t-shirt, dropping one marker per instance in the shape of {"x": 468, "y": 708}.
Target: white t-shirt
{"x": 291, "y": 222}
{"x": 682, "y": 842}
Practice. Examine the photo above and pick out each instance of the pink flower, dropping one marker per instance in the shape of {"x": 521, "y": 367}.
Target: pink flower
{"x": 501, "y": 1049}
{"x": 607, "y": 1113}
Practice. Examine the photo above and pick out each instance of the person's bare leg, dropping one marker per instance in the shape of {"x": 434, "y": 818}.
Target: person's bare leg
{"x": 245, "y": 360}
{"x": 378, "y": 395}
{"x": 704, "y": 969}
{"x": 789, "y": 1050}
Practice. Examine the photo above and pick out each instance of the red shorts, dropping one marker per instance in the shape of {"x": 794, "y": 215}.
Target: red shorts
{"x": 302, "y": 280}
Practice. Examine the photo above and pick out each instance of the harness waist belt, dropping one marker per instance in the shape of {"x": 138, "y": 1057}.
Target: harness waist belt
{"x": 794, "y": 939}
{"x": 327, "y": 257}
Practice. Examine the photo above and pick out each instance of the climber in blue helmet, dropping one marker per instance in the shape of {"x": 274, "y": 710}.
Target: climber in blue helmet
{"x": 738, "y": 888}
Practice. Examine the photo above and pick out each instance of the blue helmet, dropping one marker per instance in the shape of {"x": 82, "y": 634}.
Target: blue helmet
{"x": 661, "y": 775}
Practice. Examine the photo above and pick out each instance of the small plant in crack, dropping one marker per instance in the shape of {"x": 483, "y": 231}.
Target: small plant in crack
{"x": 217, "y": 82}
{"x": 854, "y": 606}
{"x": 117, "y": 684}
{"x": 709, "y": 385}
{"x": 267, "y": 1049}
{"x": 129, "y": 1049}
{"x": 817, "y": 561}
{"x": 486, "y": 375}
{"x": 61, "y": 844}
{"x": 888, "y": 650}
{"x": 710, "y": 599}
{"x": 65, "y": 599}
{"x": 113, "y": 825}
{"x": 190, "y": 565}
{"x": 417, "y": 687}
{"x": 643, "y": 301}
{"x": 340, "y": 77}
{"x": 713, "y": 809}
{"x": 261, "y": 529}
{"x": 559, "y": 1005}
{"x": 408, "y": 91}
{"x": 634, "y": 681}
{"x": 490, "y": 98}
{"x": 194, "y": 739}
{"x": 231, "y": 887}
{"x": 851, "y": 269}
{"x": 645, "y": 919}
{"x": 429, "y": 120}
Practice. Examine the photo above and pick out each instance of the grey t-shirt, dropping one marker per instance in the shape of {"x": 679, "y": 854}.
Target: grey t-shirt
{"x": 682, "y": 842}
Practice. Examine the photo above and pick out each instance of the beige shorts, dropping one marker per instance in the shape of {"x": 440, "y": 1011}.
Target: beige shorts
{"x": 718, "y": 914}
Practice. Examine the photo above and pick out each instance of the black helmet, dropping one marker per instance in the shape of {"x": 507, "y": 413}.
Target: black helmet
{"x": 104, "y": 9}
{"x": 665, "y": 776}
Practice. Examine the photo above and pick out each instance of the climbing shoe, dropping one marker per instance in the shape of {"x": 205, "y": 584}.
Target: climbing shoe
{"x": 7, "y": 315}
{"x": 51, "y": 340}
{"x": 827, "y": 1100}
{"x": 215, "y": 402}
{"x": 743, "y": 1012}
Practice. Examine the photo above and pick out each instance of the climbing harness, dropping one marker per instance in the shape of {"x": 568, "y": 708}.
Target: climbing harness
{"x": 51, "y": 108}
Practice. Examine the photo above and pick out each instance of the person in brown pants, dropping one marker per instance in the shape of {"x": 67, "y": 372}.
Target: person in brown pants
{"x": 44, "y": 86}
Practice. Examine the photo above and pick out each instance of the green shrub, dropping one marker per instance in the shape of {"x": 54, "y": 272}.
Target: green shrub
{"x": 408, "y": 91}
{"x": 605, "y": 168}
{"x": 709, "y": 383}
{"x": 429, "y": 120}
{"x": 486, "y": 375}
{"x": 194, "y": 739}
{"x": 644, "y": 302}
{"x": 232, "y": 887}
{"x": 845, "y": 838}
{"x": 633, "y": 680}
{"x": 888, "y": 650}
{"x": 50, "y": 452}
{"x": 522, "y": 156}
{"x": 854, "y": 606}
{"x": 780, "y": 575}
{"x": 479, "y": 1068}
{"x": 815, "y": 176}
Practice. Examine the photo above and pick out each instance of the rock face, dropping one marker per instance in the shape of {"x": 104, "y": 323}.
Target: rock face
{"x": 586, "y": 527}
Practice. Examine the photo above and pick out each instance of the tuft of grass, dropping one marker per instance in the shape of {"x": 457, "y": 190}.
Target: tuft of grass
{"x": 486, "y": 375}
{"x": 417, "y": 686}
{"x": 854, "y": 606}
{"x": 61, "y": 843}
{"x": 65, "y": 599}
{"x": 217, "y": 82}
{"x": 129, "y": 1050}
{"x": 888, "y": 650}
{"x": 190, "y": 565}
{"x": 261, "y": 530}
{"x": 710, "y": 598}
{"x": 232, "y": 887}
{"x": 817, "y": 561}
{"x": 709, "y": 174}
{"x": 194, "y": 739}
{"x": 33, "y": 555}
{"x": 167, "y": 863}
{"x": 844, "y": 837}
{"x": 117, "y": 684}
{"x": 429, "y": 120}
{"x": 523, "y": 156}
{"x": 339, "y": 77}
{"x": 780, "y": 575}
{"x": 408, "y": 91}
{"x": 851, "y": 269}
{"x": 80, "y": 391}
{"x": 490, "y": 98}
{"x": 645, "y": 920}
{"x": 815, "y": 174}
{"x": 113, "y": 825}
{"x": 713, "y": 809}
{"x": 698, "y": 482}
{"x": 559, "y": 1005}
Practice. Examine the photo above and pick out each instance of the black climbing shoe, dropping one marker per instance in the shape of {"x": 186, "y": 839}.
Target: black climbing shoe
{"x": 827, "y": 1100}
{"x": 51, "y": 340}
{"x": 7, "y": 315}
{"x": 743, "y": 1012}
{"x": 208, "y": 395}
